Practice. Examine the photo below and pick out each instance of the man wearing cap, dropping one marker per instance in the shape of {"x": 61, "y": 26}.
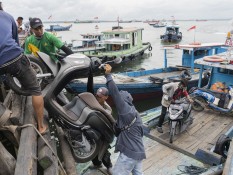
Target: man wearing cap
{"x": 129, "y": 141}
{"x": 15, "y": 63}
{"x": 101, "y": 96}
{"x": 43, "y": 41}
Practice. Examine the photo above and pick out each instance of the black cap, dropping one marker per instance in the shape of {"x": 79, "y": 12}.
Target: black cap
{"x": 35, "y": 22}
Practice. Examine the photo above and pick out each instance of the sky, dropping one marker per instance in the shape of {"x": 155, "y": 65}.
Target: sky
{"x": 126, "y": 9}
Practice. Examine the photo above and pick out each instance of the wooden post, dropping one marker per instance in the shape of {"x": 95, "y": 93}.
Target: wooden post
{"x": 69, "y": 162}
{"x": 27, "y": 153}
{"x": 7, "y": 161}
{"x": 46, "y": 158}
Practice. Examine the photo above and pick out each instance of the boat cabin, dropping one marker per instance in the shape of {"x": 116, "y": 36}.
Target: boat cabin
{"x": 220, "y": 72}
{"x": 119, "y": 38}
{"x": 191, "y": 52}
{"x": 87, "y": 41}
{"x": 172, "y": 30}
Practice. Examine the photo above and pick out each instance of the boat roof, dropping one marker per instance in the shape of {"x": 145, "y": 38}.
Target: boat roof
{"x": 123, "y": 30}
{"x": 86, "y": 39}
{"x": 193, "y": 46}
{"x": 114, "y": 41}
{"x": 92, "y": 34}
{"x": 213, "y": 64}
{"x": 172, "y": 26}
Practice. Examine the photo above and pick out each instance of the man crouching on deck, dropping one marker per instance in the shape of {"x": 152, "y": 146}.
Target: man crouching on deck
{"x": 130, "y": 131}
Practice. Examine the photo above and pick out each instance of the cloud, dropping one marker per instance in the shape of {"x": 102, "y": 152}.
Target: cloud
{"x": 125, "y": 9}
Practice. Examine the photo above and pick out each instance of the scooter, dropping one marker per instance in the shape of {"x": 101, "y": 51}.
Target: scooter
{"x": 218, "y": 101}
{"x": 179, "y": 117}
{"x": 87, "y": 126}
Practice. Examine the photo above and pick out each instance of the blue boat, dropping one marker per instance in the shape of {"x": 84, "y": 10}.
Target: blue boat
{"x": 146, "y": 84}
{"x": 57, "y": 28}
{"x": 172, "y": 34}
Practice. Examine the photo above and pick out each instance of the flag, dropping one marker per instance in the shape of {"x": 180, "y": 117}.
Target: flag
{"x": 96, "y": 17}
{"x": 193, "y": 27}
{"x": 50, "y": 17}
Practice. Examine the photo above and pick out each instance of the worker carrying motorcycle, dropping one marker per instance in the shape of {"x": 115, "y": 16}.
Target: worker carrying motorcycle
{"x": 171, "y": 92}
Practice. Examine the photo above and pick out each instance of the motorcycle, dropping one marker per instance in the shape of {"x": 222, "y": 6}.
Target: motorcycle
{"x": 217, "y": 101}
{"x": 87, "y": 126}
{"x": 179, "y": 117}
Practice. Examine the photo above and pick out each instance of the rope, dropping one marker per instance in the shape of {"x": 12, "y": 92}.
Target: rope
{"x": 30, "y": 125}
{"x": 192, "y": 170}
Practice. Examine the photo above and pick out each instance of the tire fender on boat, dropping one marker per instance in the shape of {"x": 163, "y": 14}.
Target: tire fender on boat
{"x": 150, "y": 48}
{"x": 213, "y": 58}
{"x": 222, "y": 145}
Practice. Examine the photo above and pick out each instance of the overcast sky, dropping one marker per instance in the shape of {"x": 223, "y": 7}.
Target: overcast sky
{"x": 125, "y": 9}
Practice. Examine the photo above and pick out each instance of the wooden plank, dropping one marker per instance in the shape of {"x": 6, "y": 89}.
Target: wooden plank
{"x": 208, "y": 157}
{"x": 27, "y": 153}
{"x": 69, "y": 162}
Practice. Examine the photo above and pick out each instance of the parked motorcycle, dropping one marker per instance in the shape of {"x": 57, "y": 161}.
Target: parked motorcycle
{"x": 218, "y": 101}
{"x": 87, "y": 126}
{"x": 179, "y": 116}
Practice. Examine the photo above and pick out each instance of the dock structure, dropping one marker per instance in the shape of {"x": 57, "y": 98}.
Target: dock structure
{"x": 33, "y": 155}
{"x": 23, "y": 150}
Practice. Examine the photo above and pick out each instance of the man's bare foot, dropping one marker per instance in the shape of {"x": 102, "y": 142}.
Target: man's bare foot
{"x": 42, "y": 130}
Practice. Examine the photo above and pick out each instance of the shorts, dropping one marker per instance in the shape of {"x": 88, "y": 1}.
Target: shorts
{"x": 22, "y": 70}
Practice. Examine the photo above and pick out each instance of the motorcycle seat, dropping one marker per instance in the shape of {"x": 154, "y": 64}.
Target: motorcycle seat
{"x": 91, "y": 101}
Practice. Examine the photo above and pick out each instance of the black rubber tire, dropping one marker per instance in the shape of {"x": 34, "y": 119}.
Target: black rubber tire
{"x": 96, "y": 146}
{"x": 196, "y": 106}
{"x": 222, "y": 145}
{"x": 40, "y": 67}
{"x": 150, "y": 48}
{"x": 172, "y": 132}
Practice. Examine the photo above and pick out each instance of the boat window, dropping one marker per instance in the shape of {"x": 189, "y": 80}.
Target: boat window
{"x": 186, "y": 52}
{"x": 231, "y": 72}
{"x": 127, "y": 36}
{"x": 117, "y": 35}
{"x": 223, "y": 71}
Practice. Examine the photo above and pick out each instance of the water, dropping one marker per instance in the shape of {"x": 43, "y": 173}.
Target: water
{"x": 206, "y": 32}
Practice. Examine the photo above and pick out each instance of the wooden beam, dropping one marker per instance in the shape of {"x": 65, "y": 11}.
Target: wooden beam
{"x": 46, "y": 158}
{"x": 69, "y": 162}
{"x": 7, "y": 161}
{"x": 27, "y": 153}
{"x": 208, "y": 157}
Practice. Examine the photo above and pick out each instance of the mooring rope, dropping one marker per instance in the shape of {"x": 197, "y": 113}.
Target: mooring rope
{"x": 31, "y": 125}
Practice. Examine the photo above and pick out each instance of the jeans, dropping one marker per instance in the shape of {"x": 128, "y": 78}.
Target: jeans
{"x": 126, "y": 165}
{"x": 162, "y": 116}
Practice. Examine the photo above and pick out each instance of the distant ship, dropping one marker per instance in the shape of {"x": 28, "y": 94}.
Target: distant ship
{"x": 201, "y": 20}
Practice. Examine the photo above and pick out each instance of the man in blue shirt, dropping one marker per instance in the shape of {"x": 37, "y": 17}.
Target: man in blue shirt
{"x": 15, "y": 63}
{"x": 129, "y": 141}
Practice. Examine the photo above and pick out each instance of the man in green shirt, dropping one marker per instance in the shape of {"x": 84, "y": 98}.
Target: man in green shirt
{"x": 43, "y": 41}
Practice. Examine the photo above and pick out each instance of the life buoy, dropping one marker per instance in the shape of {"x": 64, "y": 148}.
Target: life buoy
{"x": 150, "y": 48}
{"x": 213, "y": 58}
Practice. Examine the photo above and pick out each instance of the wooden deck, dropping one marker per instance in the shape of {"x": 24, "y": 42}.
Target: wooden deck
{"x": 166, "y": 158}
{"x": 202, "y": 134}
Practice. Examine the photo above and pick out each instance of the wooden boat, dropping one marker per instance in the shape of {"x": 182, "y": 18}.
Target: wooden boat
{"x": 87, "y": 44}
{"x": 146, "y": 84}
{"x": 160, "y": 24}
{"x": 171, "y": 35}
{"x": 58, "y": 28}
{"x": 120, "y": 42}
